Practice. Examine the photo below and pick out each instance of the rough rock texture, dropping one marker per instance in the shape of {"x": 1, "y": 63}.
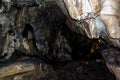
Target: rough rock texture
{"x": 37, "y": 44}
{"x": 96, "y": 18}
{"x": 26, "y": 69}
{"x": 93, "y": 18}
{"x": 112, "y": 58}
{"x": 84, "y": 70}
{"x": 34, "y": 30}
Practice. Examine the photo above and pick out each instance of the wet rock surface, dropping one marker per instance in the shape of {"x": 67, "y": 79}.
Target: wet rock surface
{"x": 36, "y": 44}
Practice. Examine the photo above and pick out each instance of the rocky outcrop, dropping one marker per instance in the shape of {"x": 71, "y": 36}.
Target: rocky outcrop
{"x": 93, "y": 18}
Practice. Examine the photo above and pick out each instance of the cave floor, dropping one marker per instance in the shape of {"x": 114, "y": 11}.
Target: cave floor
{"x": 71, "y": 70}
{"x": 84, "y": 70}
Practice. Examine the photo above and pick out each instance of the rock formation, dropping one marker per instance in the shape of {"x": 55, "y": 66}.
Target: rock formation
{"x": 46, "y": 39}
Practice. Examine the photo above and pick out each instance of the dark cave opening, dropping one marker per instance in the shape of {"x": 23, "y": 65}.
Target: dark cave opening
{"x": 54, "y": 43}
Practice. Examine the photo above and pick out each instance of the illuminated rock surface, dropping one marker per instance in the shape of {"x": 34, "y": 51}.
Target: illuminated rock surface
{"x": 36, "y": 43}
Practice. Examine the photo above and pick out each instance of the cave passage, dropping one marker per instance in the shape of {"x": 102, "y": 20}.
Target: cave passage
{"x": 44, "y": 47}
